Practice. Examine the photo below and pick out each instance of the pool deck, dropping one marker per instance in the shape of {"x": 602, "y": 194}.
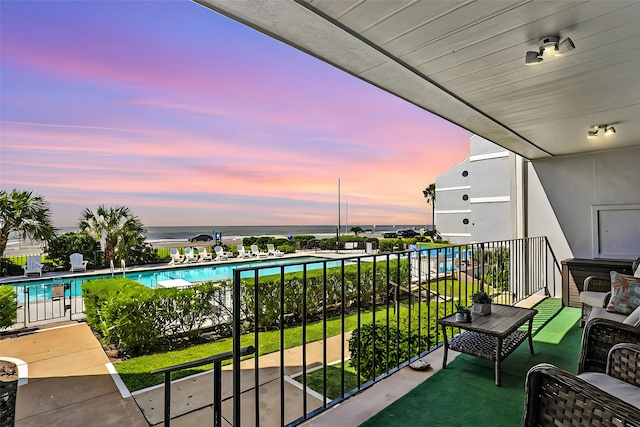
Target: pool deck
{"x": 20, "y": 280}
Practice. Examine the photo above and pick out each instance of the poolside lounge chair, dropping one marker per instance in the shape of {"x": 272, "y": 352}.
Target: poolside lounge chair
{"x": 242, "y": 253}
{"x": 77, "y": 262}
{"x": 220, "y": 255}
{"x": 33, "y": 265}
{"x": 203, "y": 255}
{"x": 255, "y": 250}
{"x": 189, "y": 255}
{"x": 176, "y": 257}
{"x": 271, "y": 250}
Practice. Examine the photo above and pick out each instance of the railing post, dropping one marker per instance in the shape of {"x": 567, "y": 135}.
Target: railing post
{"x": 236, "y": 333}
{"x": 167, "y": 399}
{"x": 217, "y": 394}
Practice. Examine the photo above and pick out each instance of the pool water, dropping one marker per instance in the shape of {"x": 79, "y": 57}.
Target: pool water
{"x": 41, "y": 289}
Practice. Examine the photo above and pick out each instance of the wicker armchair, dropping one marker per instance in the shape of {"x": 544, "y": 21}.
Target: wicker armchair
{"x": 600, "y": 285}
{"x": 598, "y": 338}
{"x": 555, "y": 397}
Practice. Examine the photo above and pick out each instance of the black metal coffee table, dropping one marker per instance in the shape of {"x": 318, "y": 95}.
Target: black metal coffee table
{"x": 492, "y": 337}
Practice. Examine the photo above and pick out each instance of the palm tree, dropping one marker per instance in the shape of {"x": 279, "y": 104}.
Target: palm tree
{"x": 118, "y": 226}
{"x": 430, "y": 194}
{"x": 25, "y": 213}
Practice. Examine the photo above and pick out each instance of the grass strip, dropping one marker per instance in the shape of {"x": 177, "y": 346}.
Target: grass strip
{"x": 334, "y": 380}
{"x": 135, "y": 372}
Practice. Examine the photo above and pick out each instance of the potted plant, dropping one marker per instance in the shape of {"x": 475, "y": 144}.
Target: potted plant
{"x": 463, "y": 313}
{"x": 481, "y": 303}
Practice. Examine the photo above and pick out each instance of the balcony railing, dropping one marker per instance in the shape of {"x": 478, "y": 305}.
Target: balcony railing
{"x": 351, "y": 325}
{"x": 387, "y": 303}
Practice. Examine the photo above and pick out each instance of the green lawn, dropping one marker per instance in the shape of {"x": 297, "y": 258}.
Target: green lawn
{"x": 334, "y": 380}
{"x": 135, "y": 372}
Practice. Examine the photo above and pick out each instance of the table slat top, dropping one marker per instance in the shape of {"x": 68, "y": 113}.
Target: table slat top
{"x": 502, "y": 321}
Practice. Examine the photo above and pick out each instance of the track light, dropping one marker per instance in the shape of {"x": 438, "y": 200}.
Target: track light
{"x": 552, "y": 44}
{"x": 565, "y": 46}
{"x": 606, "y": 131}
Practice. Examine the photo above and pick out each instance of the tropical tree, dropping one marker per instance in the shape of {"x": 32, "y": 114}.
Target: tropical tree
{"x": 27, "y": 214}
{"x": 430, "y": 194}
{"x": 356, "y": 230}
{"x": 117, "y": 227}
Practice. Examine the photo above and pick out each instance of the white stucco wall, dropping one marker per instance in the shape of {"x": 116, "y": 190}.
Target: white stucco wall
{"x": 562, "y": 192}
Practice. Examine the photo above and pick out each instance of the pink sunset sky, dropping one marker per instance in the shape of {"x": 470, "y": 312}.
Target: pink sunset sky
{"x": 190, "y": 118}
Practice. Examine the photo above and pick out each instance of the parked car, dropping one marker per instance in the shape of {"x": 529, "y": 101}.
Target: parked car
{"x": 407, "y": 233}
{"x": 201, "y": 238}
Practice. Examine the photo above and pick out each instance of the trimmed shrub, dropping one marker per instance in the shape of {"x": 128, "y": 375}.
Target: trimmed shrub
{"x": 269, "y": 292}
{"x": 403, "y": 343}
{"x": 13, "y": 266}
{"x": 303, "y": 237}
{"x": 8, "y": 306}
{"x": 60, "y": 247}
{"x": 137, "y": 318}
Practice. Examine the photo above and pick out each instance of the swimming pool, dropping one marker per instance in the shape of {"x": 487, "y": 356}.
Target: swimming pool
{"x": 41, "y": 289}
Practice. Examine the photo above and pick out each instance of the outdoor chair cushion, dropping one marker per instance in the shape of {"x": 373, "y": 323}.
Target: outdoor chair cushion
{"x": 593, "y": 298}
{"x": 620, "y": 389}
{"x": 601, "y": 313}
{"x": 634, "y": 318}
{"x": 625, "y": 293}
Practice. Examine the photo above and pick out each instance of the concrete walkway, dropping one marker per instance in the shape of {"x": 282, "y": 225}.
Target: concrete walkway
{"x": 68, "y": 381}
{"x": 69, "y": 385}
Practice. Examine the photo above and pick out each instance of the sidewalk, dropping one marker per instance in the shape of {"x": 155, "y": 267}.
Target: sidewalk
{"x": 68, "y": 381}
{"x": 70, "y": 385}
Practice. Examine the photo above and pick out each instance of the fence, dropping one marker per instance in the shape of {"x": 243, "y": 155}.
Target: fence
{"x": 388, "y": 304}
{"x": 359, "y": 322}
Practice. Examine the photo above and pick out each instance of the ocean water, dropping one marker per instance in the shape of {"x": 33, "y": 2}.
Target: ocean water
{"x": 182, "y": 233}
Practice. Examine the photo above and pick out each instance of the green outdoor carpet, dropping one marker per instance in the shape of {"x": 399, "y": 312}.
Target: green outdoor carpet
{"x": 465, "y": 393}
{"x": 562, "y": 323}
{"x": 547, "y": 309}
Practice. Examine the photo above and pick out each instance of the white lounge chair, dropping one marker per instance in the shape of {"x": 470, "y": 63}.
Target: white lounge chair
{"x": 271, "y": 250}
{"x": 77, "y": 262}
{"x": 255, "y": 250}
{"x": 242, "y": 253}
{"x": 176, "y": 257}
{"x": 203, "y": 255}
{"x": 189, "y": 255}
{"x": 220, "y": 255}
{"x": 33, "y": 265}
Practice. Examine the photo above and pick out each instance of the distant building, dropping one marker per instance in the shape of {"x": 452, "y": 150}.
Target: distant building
{"x": 476, "y": 200}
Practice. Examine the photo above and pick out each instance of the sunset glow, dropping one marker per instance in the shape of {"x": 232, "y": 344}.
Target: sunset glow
{"x": 190, "y": 118}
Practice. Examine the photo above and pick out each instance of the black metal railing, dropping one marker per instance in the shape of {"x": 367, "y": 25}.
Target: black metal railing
{"x": 383, "y": 305}
{"x": 217, "y": 381}
{"x": 43, "y": 303}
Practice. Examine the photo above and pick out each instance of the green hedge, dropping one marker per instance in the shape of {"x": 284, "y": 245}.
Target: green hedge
{"x": 8, "y": 306}
{"x": 269, "y": 292}
{"x": 137, "y": 318}
{"x": 400, "y": 338}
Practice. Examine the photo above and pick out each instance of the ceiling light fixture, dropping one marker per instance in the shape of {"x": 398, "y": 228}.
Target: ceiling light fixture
{"x": 551, "y": 44}
{"x": 606, "y": 131}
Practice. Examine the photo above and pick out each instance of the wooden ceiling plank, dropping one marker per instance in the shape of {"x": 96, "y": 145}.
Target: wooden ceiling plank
{"x": 514, "y": 43}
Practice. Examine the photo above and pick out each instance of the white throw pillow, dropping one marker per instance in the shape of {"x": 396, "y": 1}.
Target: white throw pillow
{"x": 637, "y": 273}
{"x": 634, "y": 318}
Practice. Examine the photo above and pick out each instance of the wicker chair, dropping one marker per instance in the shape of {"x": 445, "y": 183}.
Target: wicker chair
{"x": 598, "y": 338}
{"x": 599, "y": 285}
{"x": 555, "y": 397}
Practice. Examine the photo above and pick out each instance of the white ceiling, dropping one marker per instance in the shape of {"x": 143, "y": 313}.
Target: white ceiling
{"x": 464, "y": 61}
